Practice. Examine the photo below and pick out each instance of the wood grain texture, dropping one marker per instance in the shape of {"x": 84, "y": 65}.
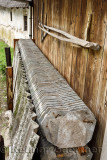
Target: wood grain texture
{"x": 9, "y": 79}
{"x": 84, "y": 69}
{"x": 8, "y": 56}
{"x": 77, "y": 42}
{"x": 15, "y": 40}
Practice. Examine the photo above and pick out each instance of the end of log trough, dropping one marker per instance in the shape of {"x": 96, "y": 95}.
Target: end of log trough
{"x": 71, "y": 130}
{"x": 9, "y": 81}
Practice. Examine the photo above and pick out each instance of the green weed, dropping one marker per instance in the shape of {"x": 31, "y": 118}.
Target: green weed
{"x": 3, "y": 58}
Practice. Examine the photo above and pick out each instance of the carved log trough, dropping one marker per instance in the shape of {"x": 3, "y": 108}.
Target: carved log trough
{"x": 64, "y": 119}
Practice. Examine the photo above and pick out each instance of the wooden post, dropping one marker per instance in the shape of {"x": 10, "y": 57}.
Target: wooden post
{"x": 2, "y": 149}
{"x": 8, "y": 56}
{"x": 9, "y": 79}
{"x": 33, "y": 40}
{"x": 15, "y": 40}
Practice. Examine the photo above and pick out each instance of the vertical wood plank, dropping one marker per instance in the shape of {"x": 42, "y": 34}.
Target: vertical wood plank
{"x": 93, "y": 81}
{"x": 9, "y": 80}
{"x": 8, "y": 56}
{"x": 84, "y": 69}
{"x": 55, "y": 23}
{"x": 45, "y": 46}
{"x": 49, "y": 23}
{"x": 69, "y": 47}
{"x": 39, "y": 20}
{"x": 35, "y": 21}
{"x": 76, "y": 14}
{"x": 52, "y": 39}
{"x": 81, "y": 59}
{"x": 63, "y": 26}
{"x": 101, "y": 102}
{"x": 15, "y": 40}
{"x": 59, "y": 42}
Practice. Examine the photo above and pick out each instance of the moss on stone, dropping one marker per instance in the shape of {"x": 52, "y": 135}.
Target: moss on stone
{"x": 17, "y": 104}
{"x": 32, "y": 143}
{"x": 11, "y": 128}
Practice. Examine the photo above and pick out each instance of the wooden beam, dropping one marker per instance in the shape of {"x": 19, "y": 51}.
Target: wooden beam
{"x": 8, "y": 56}
{"x": 69, "y": 38}
{"x": 15, "y": 40}
{"x": 9, "y": 80}
{"x": 33, "y": 40}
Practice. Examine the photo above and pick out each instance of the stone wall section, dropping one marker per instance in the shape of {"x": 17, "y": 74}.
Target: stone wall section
{"x": 24, "y": 128}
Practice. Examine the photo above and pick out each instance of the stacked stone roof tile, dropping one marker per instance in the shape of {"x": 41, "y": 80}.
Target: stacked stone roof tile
{"x": 13, "y": 4}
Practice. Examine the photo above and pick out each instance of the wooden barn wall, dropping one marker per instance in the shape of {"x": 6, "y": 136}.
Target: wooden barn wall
{"x": 84, "y": 69}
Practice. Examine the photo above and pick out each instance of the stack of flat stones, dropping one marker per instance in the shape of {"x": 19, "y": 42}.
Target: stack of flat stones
{"x": 24, "y": 138}
{"x": 65, "y": 121}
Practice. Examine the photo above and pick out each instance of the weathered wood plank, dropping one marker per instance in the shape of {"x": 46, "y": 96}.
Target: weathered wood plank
{"x": 95, "y": 73}
{"x": 49, "y": 22}
{"x": 45, "y": 46}
{"x": 82, "y": 53}
{"x": 39, "y": 19}
{"x": 77, "y": 16}
{"x": 15, "y": 40}
{"x": 86, "y": 68}
{"x": 74, "y": 49}
{"x": 8, "y": 56}
{"x": 68, "y": 47}
{"x": 101, "y": 102}
{"x": 62, "y": 44}
{"x": 74, "y": 40}
{"x": 9, "y": 81}
{"x": 59, "y": 42}
{"x": 55, "y": 23}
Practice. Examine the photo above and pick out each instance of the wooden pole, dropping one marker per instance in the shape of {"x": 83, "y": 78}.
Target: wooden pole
{"x": 2, "y": 149}
{"x": 15, "y": 40}
{"x": 8, "y": 56}
{"x": 9, "y": 80}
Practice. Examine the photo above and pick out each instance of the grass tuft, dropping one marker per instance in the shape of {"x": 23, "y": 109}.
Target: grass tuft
{"x": 3, "y": 58}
